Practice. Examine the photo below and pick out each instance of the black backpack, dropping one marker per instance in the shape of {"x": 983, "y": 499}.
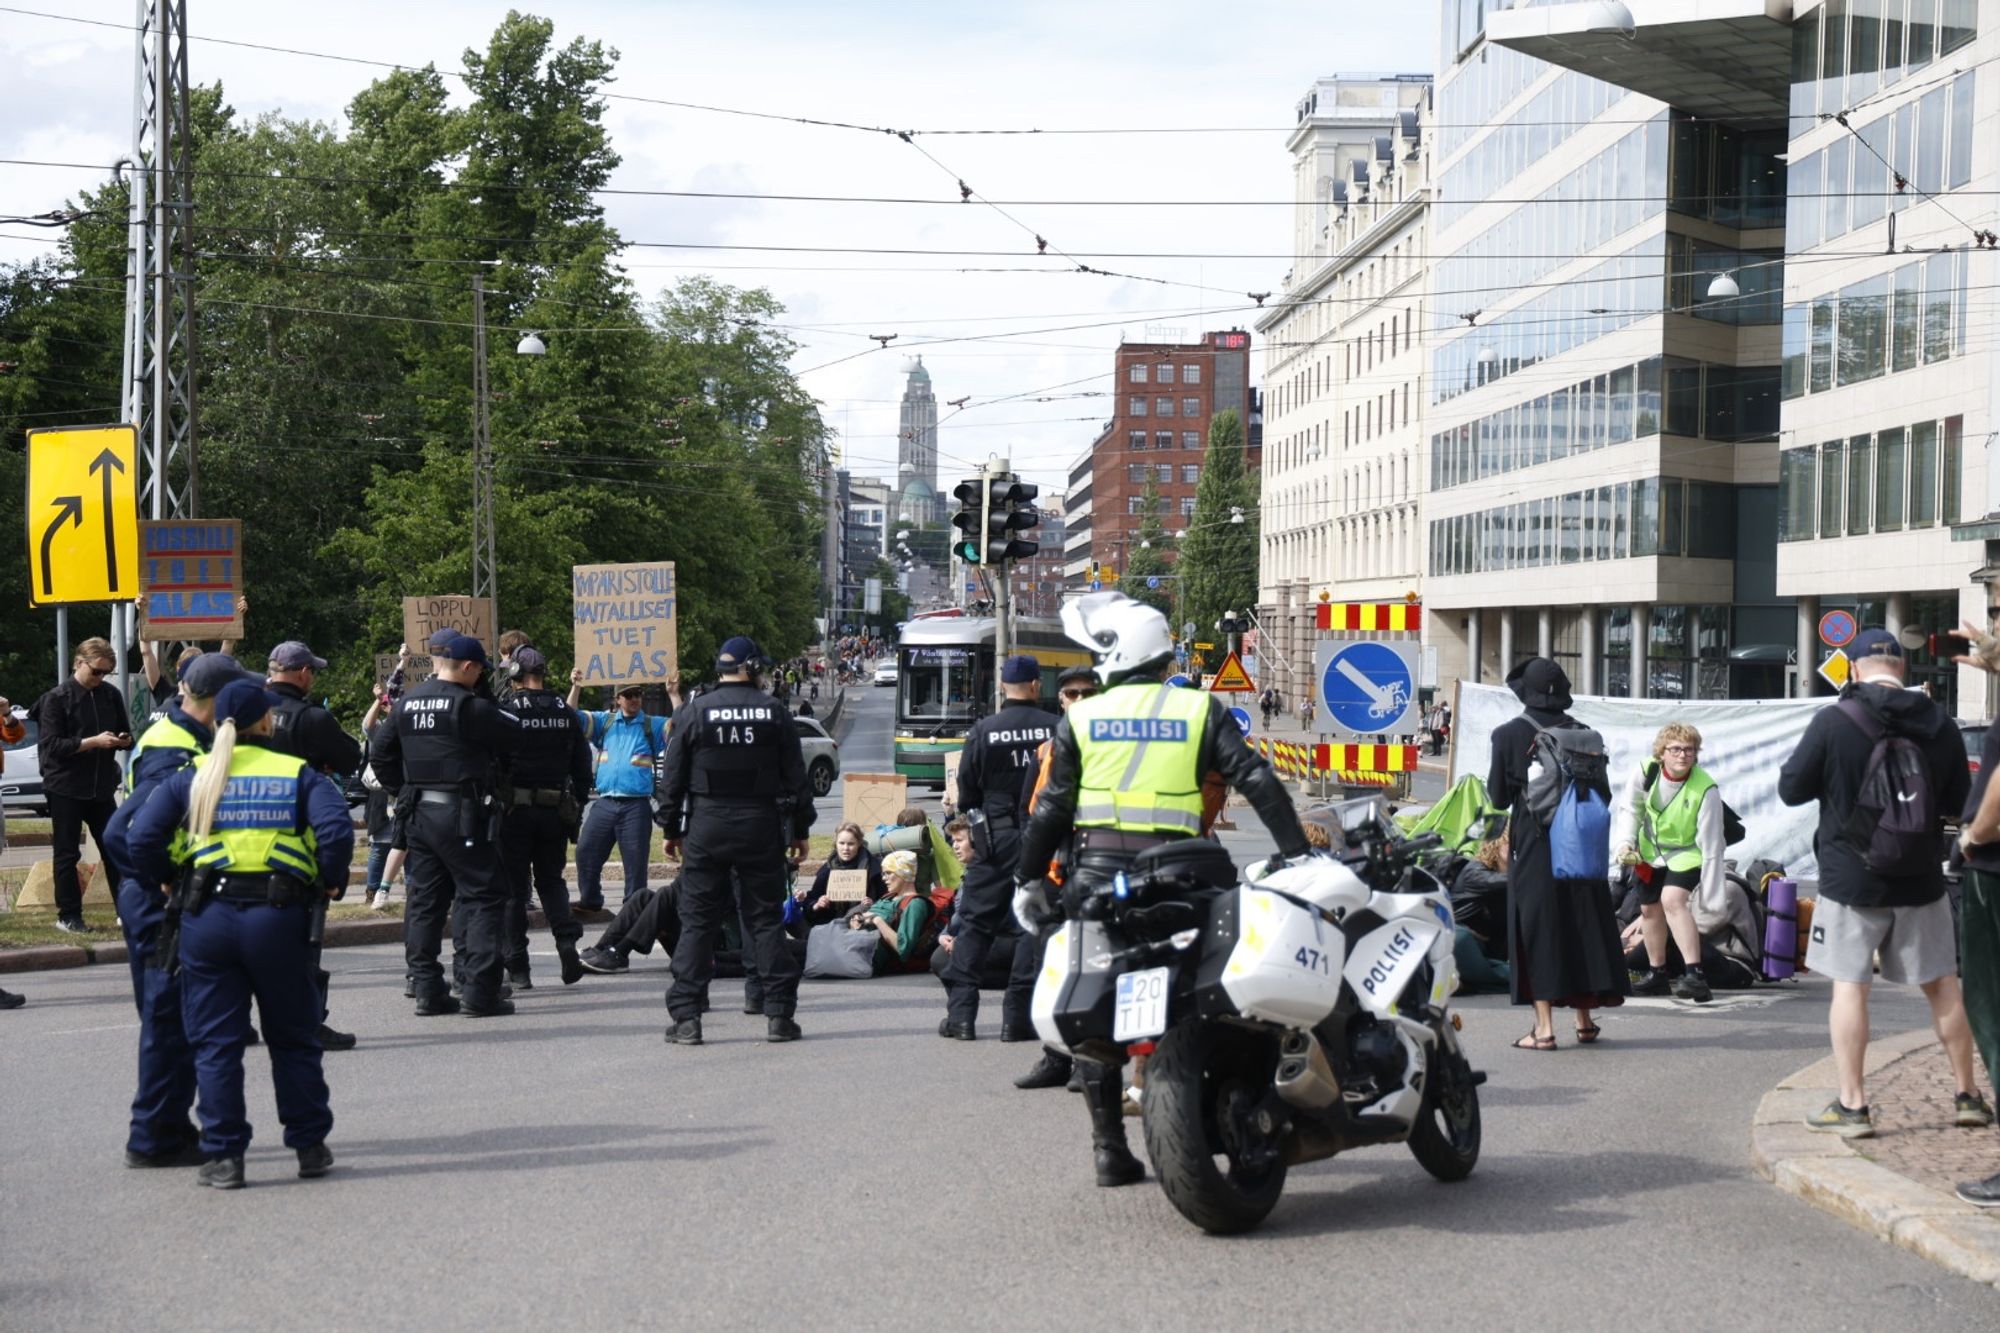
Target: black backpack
{"x": 1895, "y": 822}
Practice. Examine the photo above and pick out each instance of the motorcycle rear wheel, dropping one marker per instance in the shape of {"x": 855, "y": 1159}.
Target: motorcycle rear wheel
{"x": 1445, "y": 1139}
{"x": 1197, "y": 1088}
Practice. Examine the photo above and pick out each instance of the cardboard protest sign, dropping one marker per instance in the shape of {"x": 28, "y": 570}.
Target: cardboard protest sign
{"x": 190, "y": 575}
{"x": 425, "y": 616}
{"x": 847, "y": 886}
{"x": 626, "y": 625}
{"x": 874, "y": 798}
{"x": 419, "y": 668}
{"x": 951, "y": 760}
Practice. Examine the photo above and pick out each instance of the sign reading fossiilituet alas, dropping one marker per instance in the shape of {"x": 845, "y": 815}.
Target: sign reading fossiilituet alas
{"x": 190, "y": 575}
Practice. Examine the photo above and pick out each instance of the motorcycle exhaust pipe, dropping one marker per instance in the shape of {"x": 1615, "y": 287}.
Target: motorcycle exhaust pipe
{"x": 1304, "y": 1078}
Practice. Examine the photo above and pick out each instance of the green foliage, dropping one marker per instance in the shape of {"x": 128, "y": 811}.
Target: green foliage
{"x": 335, "y": 376}
{"x": 1218, "y": 557}
{"x": 1148, "y": 557}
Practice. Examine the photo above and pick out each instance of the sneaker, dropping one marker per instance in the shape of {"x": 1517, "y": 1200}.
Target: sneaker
{"x": 1839, "y": 1119}
{"x": 332, "y": 1039}
{"x": 1650, "y": 982}
{"x": 71, "y": 925}
{"x": 603, "y": 960}
{"x": 9, "y": 1000}
{"x": 223, "y": 1173}
{"x": 379, "y": 901}
{"x": 1981, "y": 1193}
{"x": 1970, "y": 1111}
{"x": 1693, "y": 986}
{"x": 315, "y": 1161}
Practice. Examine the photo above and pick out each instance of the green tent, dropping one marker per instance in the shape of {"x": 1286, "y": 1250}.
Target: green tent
{"x": 1456, "y": 818}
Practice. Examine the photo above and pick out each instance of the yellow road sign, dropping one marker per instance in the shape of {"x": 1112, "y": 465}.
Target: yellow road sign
{"x": 1835, "y": 669}
{"x": 83, "y": 515}
{"x": 1231, "y": 678}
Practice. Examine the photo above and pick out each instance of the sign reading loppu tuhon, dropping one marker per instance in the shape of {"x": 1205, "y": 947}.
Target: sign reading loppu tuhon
{"x": 626, "y": 626}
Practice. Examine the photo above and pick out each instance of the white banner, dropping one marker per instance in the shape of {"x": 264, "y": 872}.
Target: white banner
{"x": 1743, "y": 744}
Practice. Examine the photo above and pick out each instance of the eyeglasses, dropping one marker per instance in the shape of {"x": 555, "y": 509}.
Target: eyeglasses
{"x": 98, "y": 671}
{"x": 1682, "y": 749}
{"x": 1074, "y": 695}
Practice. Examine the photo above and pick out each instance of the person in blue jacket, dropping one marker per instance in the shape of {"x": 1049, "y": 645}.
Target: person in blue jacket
{"x": 267, "y": 840}
{"x": 180, "y": 733}
{"x": 628, "y": 741}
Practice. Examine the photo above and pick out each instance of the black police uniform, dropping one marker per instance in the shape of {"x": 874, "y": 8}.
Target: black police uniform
{"x": 550, "y": 783}
{"x": 998, "y": 750}
{"x": 308, "y": 731}
{"x": 443, "y": 751}
{"x": 733, "y": 790}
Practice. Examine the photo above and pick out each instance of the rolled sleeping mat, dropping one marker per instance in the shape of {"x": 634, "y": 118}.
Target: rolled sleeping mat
{"x": 1781, "y": 928}
{"x": 886, "y": 838}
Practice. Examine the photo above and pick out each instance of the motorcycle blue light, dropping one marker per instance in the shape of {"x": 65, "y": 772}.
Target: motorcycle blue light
{"x": 1121, "y": 887}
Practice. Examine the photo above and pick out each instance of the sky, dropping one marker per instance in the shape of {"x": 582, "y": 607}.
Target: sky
{"x": 1031, "y": 345}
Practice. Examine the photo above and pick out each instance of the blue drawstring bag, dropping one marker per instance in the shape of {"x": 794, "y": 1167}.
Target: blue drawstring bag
{"x": 1580, "y": 834}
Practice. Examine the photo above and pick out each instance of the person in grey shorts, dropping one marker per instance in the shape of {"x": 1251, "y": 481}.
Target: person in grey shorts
{"x": 1903, "y": 917}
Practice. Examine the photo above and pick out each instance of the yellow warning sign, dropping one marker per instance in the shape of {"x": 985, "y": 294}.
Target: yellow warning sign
{"x": 1231, "y": 678}
{"x": 1835, "y": 669}
{"x": 83, "y": 515}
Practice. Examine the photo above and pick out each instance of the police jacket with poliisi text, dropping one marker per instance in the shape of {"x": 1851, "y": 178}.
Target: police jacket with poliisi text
{"x": 1222, "y": 750}
{"x": 553, "y": 754}
{"x": 443, "y": 737}
{"x": 999, "y": 749}
{"x": 319, "y": 806}
{"x": 734, "y": 745}
{"x": 303, "y": 728}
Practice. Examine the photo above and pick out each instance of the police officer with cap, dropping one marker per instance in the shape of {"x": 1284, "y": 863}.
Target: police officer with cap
{"x": 550, "y": 782}
{"x": 443, "y": 749}
{"x": 999, "y": 751}
{"x": 733, "y": 794}
{"x": 267, "y": 841}
{"x": 1125, "y": 775}
{"x": 181, "y": 733}
{"x": 303, "y": 728}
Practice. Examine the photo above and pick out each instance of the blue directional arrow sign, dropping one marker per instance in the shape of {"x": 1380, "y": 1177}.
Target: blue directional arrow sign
{"x": 1178, "y": 681}
{"x": 1152, "y": 581}
{"x": 1241, "y": 716}
{"x": 1365, "y": 688}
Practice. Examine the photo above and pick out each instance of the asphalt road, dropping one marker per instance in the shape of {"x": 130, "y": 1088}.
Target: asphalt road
{"x": 564, "y": 1167}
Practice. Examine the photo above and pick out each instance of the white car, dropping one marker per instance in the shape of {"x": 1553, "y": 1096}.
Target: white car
{"x": 885, "y": 674}
{"x": 21, "y": 784}
{"x": 822, "y": 754}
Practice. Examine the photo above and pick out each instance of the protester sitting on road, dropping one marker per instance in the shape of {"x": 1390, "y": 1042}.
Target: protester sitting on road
{"x": 1479, "y": 917}
{"x": 901, "y": 917}
{"x": 644, "y": 918}
{"x": 1667, "y": 824}
{"x": 850, "y": 852}
{"x": 1851, "y": 759}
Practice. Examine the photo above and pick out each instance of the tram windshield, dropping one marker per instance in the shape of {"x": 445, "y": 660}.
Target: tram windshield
{"x": 943, "y": 684}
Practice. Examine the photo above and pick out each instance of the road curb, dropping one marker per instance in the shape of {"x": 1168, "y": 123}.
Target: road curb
{"x": 339, "y": 934}
{"x": 1827, "y": 1172}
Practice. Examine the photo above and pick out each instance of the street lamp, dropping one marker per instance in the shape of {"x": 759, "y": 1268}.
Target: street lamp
{"x": 531, "y": 344}
{"x": 1723, "y": 288}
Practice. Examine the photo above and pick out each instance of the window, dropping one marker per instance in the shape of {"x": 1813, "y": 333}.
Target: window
{"x": 1956, "y": 24}
{"x": 1136, "y": 408}
{"x": 1835, "y": 197}
{"x": 1164, "y": 474}
{"x": 1163, "y": 439}
{"x": 1862, "y": 351}
{"x": 1795, "y": 494}
{"x": 1138, "y": 374}
{"x": 1163, "y": 407}
{"x": 1190, "y": 407}
{"x": 1860, "y": 495}
{"x": 1923, "y": 474}
{"x": 1190, "y": 439}
{"x": 1136, "y": 440}
{"x": 1930, "y": 138}
{"x": 1190, "y": 473}
{"x": 1137, "y": 473}
{"x": 1922, "y": 33}
{"x": 1937, "y": 307}
{"x": 1821, "y": 345}
{"x": 1889, "y": 479}
{"x": 1190, "y": 374}
{"x": 1187, "y": 506}
{"x": 1135, "y": 504}
{"x": 1905, "y": 318}
{"x": 1673, "y": 515}
{"x": 1832, "y": 511}
{"x": 1793, "y": 353}
{"x": 1961, "y": 128}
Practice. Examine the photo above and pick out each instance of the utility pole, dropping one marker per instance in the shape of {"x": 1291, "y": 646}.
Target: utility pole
{"x": 482, "y": 459}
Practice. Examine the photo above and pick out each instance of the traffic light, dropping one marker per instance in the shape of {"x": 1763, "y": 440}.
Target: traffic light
{"x": 968, "y": 519}
{"x": 1021, "y": 517}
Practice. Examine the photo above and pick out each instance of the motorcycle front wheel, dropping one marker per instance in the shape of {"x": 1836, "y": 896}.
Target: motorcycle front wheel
{"x": 1217, "y": 1167}
{"x": 1445, "y": 1139}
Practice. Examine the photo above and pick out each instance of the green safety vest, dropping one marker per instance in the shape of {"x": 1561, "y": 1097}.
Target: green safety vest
{"x": 257, "y": 827}
{"x": 1671, "y": 832}
{"x": 163, "y": 734}
{"x": 1141, "y": 749}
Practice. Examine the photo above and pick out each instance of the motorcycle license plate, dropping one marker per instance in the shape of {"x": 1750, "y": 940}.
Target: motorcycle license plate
{"x": 1142, "y": 1005}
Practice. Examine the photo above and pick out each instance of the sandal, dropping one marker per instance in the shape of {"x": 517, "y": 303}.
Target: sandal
{"x": 1587, "y": 1034}
{"x": 1531, "y": 1042}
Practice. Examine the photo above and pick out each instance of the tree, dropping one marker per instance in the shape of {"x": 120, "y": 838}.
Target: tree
{"x": 1147, "y": 557}
{"x": 1218, "y": 555}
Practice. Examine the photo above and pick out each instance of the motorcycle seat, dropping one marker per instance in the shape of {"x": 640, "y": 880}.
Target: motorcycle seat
{"x": 1194, "y": 859}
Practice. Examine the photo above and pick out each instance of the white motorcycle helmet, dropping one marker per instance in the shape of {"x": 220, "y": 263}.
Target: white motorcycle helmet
{"x": 1127, "y": 636}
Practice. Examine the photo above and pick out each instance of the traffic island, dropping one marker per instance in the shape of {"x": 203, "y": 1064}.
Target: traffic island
{"x": 1899, "y": 1183}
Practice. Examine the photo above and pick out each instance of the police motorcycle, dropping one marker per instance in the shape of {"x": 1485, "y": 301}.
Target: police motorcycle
{"x": 1300, "y": 1011}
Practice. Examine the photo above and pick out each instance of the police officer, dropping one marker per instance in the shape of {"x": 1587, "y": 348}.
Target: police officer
{"x": 443, "y": 750}
{"x": 999, "y": 751}
{"x": 1125, "y": 775}
{"x": 733, "y": 793}
{"x": 180, "y": 733}
{"x": 303, "y": 728}
{"x": 550, "y": 783}
{"x": 267, "y": 842}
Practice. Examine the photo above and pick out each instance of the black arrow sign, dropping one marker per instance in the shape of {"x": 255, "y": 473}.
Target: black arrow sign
{"x": 69, "y": 509}
{"x": 104, "y": 463}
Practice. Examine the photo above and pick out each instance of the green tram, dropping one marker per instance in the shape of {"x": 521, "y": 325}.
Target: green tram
{"x": 945, "y": 682}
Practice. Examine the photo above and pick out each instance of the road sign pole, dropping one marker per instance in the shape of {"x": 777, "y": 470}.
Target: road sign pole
{"x": 62, "y": 643}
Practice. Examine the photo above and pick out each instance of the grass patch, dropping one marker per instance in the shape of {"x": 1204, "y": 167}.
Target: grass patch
{"x": 28, "y": 824}
{"x": 34, "y": 926}
{"x": 355, "y": 908}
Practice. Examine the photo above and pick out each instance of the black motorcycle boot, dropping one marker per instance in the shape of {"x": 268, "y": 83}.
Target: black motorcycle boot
{"x": 1104, "y": 1093}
